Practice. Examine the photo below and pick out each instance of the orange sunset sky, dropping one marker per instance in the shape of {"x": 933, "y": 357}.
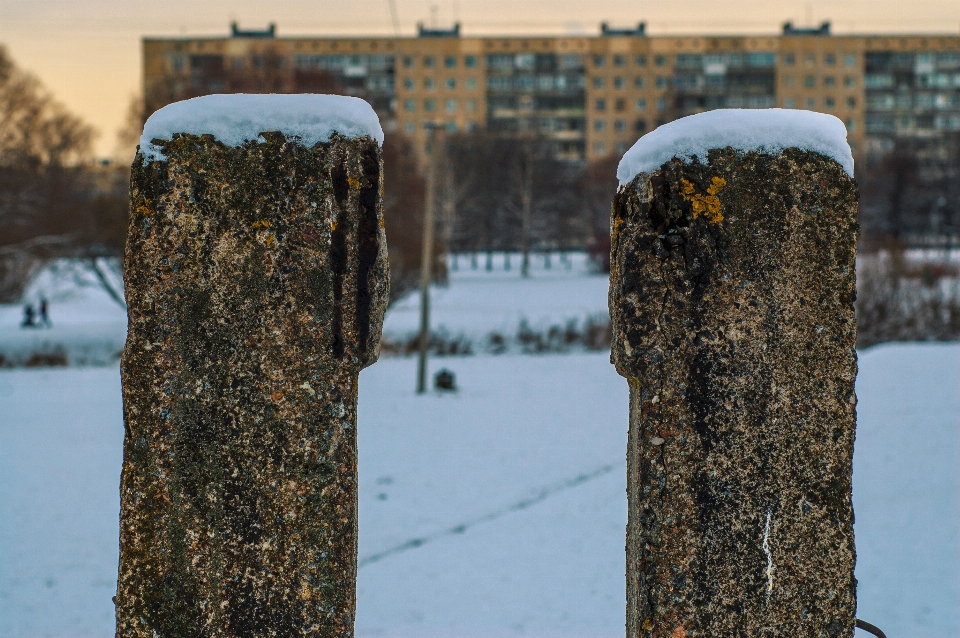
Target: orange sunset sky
{"x": 87, "y": 52}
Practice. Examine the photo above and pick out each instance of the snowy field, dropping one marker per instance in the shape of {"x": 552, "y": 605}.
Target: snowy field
{"x": 495, "y": 512}
{"x": 87, "y": 326}
{"x": 477, "y": 303}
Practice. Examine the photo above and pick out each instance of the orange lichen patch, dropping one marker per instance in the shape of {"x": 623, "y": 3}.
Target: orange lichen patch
{"x": 680, "y": 632}
{"x": 276, "y": 396}
{"x": 143, "y": 208}
{"x": 707, "y": 205}
{"x": 354, "y": 183}
{"x": 261, "y": 223}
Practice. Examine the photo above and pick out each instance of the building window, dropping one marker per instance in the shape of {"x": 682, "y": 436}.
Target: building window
{"x": 471, "y": 83}
{"x": 640, "y": 60}
{"x": 599, "y": 126}
{"x": 850, "y": 59}
{"x": 408, "y": 84}
{"x": 600, "y": 104}
{"x": 809, "y": 59}
{"x": 428, "y": 83}
{"x": 450, "y": 62}
{"x": 638, "y": 82}
{"x": 829, "y": 80}
{"x": 851, "y": 124}
{"x": 429, "y": 105}
{"x": 851, "y": 102}
{"x": 789, "y": 103}
{"x": 451, "y": 127}
{"x": 410, "y": 128}
{"x": 620, "y": 126}
{"x": 599, "y": 148}
{"x": 641, "y": 105}
{"x": 429, "y": 61}
{"x": 661, "y": 104}
{"x": 789, "y": 59}
{"x": 829, "y": 102}
{"x": 470, "y": 61}
{"x": 621, "y": 147}
{"x": 849, "y": 81}
{"x": 451, "y": 83}
{"x": 599, "y": 60}
{"x": 471, "y": 105}
{"x": 809, "y": 103}
{"x": 809, "y": 81}
{"x": 409, "y": 105}
{"x": 620, "y": 105}
{"x": 660, "y": 60}
{"x": 662, "y": 82}
{"x": 619, "y": 60}
{"x": 640, "y": 126}
{"x": 829, "y": 59}
{"x": 451, "y": 105}
{"x": 618, "y": 82}
{"x": 407, "y": 62}
{"x": 788, "y": 80}
{"x": 598, "y": 82}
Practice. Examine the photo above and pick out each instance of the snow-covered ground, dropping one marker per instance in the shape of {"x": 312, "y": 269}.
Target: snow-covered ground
{"x": 87, "y": 326}
{"x": 497, "y": 511}
{"x": 477, "y": 304}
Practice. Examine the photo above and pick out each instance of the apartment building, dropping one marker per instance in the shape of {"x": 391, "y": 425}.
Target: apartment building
{"x": 592, "y": 96}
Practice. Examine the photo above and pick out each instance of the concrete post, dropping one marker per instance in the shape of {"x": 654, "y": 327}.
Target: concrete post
{"x": 731, "y": 297}
{"x": 257, "y": 280}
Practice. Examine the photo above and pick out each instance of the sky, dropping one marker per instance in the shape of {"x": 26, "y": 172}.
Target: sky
{"x": 87, "y": 52}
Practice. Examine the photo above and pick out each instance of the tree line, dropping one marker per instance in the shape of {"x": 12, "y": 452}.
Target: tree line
{"x": 494, "y": 192}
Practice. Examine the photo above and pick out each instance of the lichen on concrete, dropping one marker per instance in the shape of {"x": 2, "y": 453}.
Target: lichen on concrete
{"x": 731, "y": 299}
{"x": 256, "y": 282}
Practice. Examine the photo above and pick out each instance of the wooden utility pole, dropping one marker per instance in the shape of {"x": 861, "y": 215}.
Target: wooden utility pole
{"x": 426, "y": 257}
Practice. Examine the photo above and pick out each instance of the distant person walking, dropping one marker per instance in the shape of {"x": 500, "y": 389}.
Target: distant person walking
{"x": 29, "y": 317}
{"x": 44, "y": 314}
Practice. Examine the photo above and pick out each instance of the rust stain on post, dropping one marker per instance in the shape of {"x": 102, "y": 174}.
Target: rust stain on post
{"x": 256, "y": 279}
{"x": 732, "y": 306}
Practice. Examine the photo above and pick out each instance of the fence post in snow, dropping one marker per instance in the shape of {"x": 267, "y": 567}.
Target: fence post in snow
{"x": 257, "y": 280}
{"x": 731, "y": 298}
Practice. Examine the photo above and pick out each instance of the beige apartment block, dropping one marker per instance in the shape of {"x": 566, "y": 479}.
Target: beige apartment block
{"x": 592, "y": 96}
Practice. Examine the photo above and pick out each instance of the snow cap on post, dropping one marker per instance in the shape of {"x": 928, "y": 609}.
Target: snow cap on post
{"x": 766, "y": 130}
{"x": 235, "y": 119}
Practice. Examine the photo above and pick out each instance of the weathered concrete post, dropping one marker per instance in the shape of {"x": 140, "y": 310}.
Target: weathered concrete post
{"x": 256, "y": 279}
{"x": 731, "y": 296}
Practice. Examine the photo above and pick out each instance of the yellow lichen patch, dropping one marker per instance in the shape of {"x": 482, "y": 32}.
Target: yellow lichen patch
{"x": 270, "y": 240}
{"x": 354, "y": 183}
{"x": 261, "y": 223}
{"x": 648, "y": 624}
{"x": 707, "y": 205}
{"x": 143, "y": 208}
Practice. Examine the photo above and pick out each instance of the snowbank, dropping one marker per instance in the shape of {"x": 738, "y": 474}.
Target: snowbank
{"x": 235, "y": 119}
{"x": 769, "y": 130}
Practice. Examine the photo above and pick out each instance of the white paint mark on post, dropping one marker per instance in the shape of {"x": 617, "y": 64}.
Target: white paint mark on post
{"x": 766, "y": 550}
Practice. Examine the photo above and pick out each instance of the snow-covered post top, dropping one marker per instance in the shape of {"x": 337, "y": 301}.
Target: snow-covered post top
{"x": 731, "y": 295}
{"x": 256, "y": 278}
